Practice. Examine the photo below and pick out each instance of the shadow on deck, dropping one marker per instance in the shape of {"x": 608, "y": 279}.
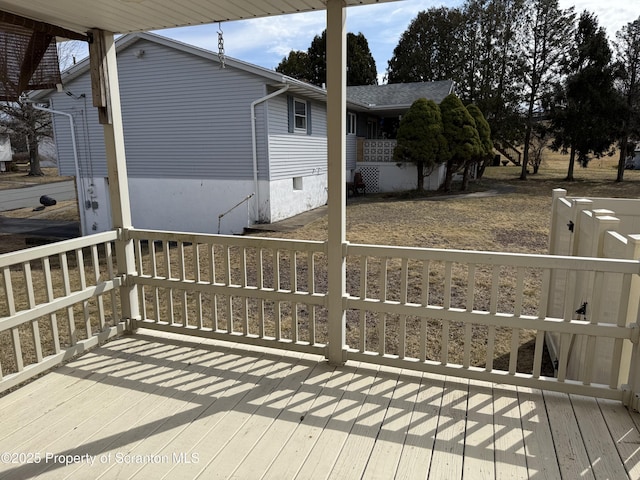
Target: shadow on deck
{"x": 150, "y": 405}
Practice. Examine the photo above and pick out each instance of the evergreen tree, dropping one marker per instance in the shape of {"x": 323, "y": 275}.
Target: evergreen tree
{"x": 461, "y": 134}
{"x": 430, "y": 48}
{"x": 545, "y": 43}
{"x": 586, "y": 110}
{"x": 420, "y": 138}
{"x": 312, "y": 66}
{"x": 295, "y": 65}
{"x": 484, "y": 133}
{"x": 628, "y": 85}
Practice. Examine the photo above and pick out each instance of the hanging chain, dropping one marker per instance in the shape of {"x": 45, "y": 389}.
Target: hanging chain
{"x": 221, "y": 46}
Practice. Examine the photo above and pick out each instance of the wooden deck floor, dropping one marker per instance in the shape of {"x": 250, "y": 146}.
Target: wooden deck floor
{"x": 152, "y": 406}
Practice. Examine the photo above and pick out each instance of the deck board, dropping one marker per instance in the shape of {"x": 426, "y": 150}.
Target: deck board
{"x": 163, "y": 406}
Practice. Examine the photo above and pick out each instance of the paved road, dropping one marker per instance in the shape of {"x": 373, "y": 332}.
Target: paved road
{"x": 13, "y": 198}
{"x": 38, "y": 227}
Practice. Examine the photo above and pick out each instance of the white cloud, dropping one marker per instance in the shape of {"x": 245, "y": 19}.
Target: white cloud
{"x": 265, "y": 41}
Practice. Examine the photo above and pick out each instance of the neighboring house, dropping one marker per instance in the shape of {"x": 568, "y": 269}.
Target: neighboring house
{"x": 6, "y": 154}
{"x": 202, "y": 140}
{"x": 633, "y": 162}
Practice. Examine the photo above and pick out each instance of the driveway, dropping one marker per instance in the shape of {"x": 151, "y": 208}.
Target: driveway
{"x": 13, "y": 198}
{"x": 29, "y": 197}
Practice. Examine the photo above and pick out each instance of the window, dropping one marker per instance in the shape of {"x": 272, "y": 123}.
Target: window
{"x": 351, "y": 123}
{"x": 297, "y": 183}
{"x": 300, "y": 115}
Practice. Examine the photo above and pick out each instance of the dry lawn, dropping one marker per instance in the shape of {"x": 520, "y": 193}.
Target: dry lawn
{"x": 504, "y": 214}
{"x": 21, "y": 177}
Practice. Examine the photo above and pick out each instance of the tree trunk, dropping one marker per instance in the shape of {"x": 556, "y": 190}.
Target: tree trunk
{"x": 34, "y": 161}
{"x": 623, "y": 159}
{"x": 420, "y": 183}
{"x": 465, "y": 176}
{"x": 448, "y": 178}
{"x": 572, "y": 161}
{"x": 525, "y": 154}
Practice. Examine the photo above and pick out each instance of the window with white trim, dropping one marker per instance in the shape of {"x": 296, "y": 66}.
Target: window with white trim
{"x": 351, "y": 123}
{"x": 300, "y": 115}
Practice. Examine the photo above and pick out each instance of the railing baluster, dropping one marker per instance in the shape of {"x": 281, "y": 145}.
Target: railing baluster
{"x": 11, "y": 307}
{"x": 618, "y": 345}
{"x": 154, "y": 273}
{"x": 402, "y": 343}
{"x": 515, "y": 333}
{"x": 276, "y": 287}
{"x": 212, "y": 280}
{"x": 513, "y": 352}
{"x": 95, "y": 261}
{"x": 83, "y": 285}
{"x": 35, "y": 329}
{"x": 293, "y": 275}
{"x": 383, "y": 279}
{"x": 471, "y": 286}
{"x": 363, "y": 295}
{"x": 137, "y": 245}
{"x": 67, "y": 291}
{"x": 542, "y": 314}
{"x": 260, "y": 283}
{"x": 245, "y": 300}
{"x": 588, "y": 358}
{"x": 110, "y": 271}
{"x": 167, "y": 269}
{"x": 227, "y": 267}
{"x": 424, "y": 301}
{"x": 444, "y": 351}
{"x": 447, "y": 285}
{"x": 198, "y": 280}
{"x": 382, "y": 317}
{"x": 53, "y": 317}
{"x": 493, "y": 308}
{"x": 183, "y": 277}
{"x": 311, "y": 283}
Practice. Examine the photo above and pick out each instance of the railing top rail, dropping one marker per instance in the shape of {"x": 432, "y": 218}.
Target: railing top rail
{"x": 233, "y": 240}
{"x": 36, "y": 253}
{"x": 613, "y": 265}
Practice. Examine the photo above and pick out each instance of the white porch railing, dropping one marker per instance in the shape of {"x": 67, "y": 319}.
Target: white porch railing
{"x": 56, "y": 301}
{"x": 442, "y": 311}
{"x": 249, "y": 290}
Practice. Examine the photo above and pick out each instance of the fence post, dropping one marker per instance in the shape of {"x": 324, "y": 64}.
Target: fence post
{"x": 336, "y": 153}
{"x": 631, "y": 354}
{"x": 556, "y": 195}
{"x": 106, "y": 96}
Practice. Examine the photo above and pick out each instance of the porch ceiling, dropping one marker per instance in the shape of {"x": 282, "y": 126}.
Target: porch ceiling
{"x": 123, "y": 16}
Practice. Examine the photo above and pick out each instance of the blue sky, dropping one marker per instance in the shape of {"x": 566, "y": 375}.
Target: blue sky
{"x": 266, "y": 41}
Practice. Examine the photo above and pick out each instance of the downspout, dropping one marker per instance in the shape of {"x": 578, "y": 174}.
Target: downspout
{"x": 75, "y": 162}
{"x": 255, "y": 147}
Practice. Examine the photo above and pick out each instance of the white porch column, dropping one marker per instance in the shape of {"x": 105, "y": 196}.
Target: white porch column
{"x": 106, "y": 96}
{"x": 336, "y": 108}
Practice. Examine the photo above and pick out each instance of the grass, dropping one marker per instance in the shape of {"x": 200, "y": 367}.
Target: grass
{"x": 20, "y": 178}
{"x": 511, "y": 215}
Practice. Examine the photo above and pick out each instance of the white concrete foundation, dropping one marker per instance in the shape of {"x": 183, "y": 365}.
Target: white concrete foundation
{"x": 183, "y": 205}
{"x": 293, "y": 196}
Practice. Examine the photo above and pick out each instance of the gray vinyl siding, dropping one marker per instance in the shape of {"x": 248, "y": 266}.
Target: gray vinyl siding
{"x": 351, "y": 152}
{"x": 279, "y": 119}
{"x": 183, "y": 116}
{"x": 296, "y": 154}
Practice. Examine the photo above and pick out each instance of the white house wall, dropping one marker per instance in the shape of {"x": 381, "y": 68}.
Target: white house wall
{"x": 184, "y": 117}
{"x": 290, "y": 197}
{"x": 184, "y": 205}
{"x": 397, "y": 177}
